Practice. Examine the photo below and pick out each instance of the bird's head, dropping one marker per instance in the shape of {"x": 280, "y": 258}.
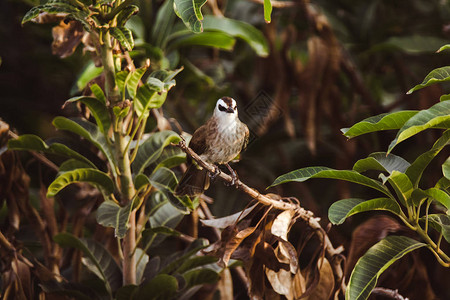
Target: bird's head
{"x": 226, "y": 107}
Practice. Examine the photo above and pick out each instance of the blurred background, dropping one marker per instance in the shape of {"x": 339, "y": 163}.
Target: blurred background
{"x": 330, "y": 64}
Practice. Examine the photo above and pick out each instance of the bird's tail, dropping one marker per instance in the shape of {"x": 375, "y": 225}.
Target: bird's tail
{"x": 193, "y": 183}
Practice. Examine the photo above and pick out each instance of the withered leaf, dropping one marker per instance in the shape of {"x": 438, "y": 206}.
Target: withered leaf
{"x": 67, "y": 36}
{"x": 325, "y": 287}
{"x": 228, "y": 220}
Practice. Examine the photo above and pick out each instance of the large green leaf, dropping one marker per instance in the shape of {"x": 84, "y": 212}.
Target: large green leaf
{"x": 436, "y": 76}
{"x": 446, "y": 167}
{"x": 89, "y": 72}
{"x": 161, "y": 287}
{"x": 252, "y": 36}
{"x": 176, "y": 260}
{"x": 124, "y": 36}
{"x": 133, "y": 79}
{"x": 90, "y": 132}
{"x": 342, "y": 209}
{"x": 111, "y": 214}
{"x": 93, "y": 176}
{"x": 56, "y": 8}
{"x": 381, "y": 161}
{"x": 195, "y": 262}
{"x": 304, "y": 174}
{"x": 163, "y": 24}
{"x": 34, "y": 143}
{"x": 152, "y": 237}
{"x": 72, "y": 164}
{"x": 169, "y": 158}
{"x": 151, "y": 149}
{"x": 163, "y": 213}
{"x": 439, "y": 196}
{"x": 381, "y": 122}
{"x": 190, "y": 12}
{"x": 441, "y": 223}
{"x": 416, "y": 169}
{"x": 218, "y": 40}
{"x": 376, "y": 260}
{"x": 124, "y": 15}
{"x": 401, "y": 184}
{"x": 147, "y": 97}
{"x": 437, "y": 116}
{"x": 98, "y": 110}
{"x": 200, "y": 276}
{"x": 100, "y": 260}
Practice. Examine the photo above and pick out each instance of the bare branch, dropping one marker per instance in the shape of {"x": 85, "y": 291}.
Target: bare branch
{"x": 388, "y": 293}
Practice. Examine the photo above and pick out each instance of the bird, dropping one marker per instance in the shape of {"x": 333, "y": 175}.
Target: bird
{"x": 218, "y": 141}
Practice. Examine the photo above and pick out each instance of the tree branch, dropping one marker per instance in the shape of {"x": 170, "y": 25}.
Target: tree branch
{"x": 333, "y": 254}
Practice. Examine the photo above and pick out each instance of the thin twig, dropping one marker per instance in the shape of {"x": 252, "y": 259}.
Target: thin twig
{"x": 388, "y": 293}
{"x": 278, "y": 4}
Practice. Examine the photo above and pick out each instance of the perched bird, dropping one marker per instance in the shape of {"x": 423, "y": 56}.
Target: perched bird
{"x": 218, "y": 141}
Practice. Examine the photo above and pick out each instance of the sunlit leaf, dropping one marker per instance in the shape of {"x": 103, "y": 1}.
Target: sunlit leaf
{"x": 436, "y": 76}
{"x": 376, "y": 260}
{"x": 439, "y": 196}
{"x": 124, "y": 36}
{"x": 98, "y": 110}
{"x": 443, "y": 48}
{"x": 252, "y": 36}
{"x": 441, "y": 223}
{"x": 381, "y": 122}
{"x": 190, "y": 12}
{"x": 152, "y": 148}
{"x": 92, "y": 176}
{"x": 34, "y": 143}
{"x": 209, "y": 39}
{"x": 342, "y": 209}
{"x": 101, "y": 261}
{"x": 437, "y": 116}
{"x": 267, "y": 11}
{"x": 446, "y": 167}
{"x": 381, "y": 161}
{"x": 401, "y": 184}
{"x": 72, "y": 164}
{"x": 98, "y": 93}
{"x": 133, "y": 81}
{"x": 417, "y": 168}
{"x": 56, "y": 8}
{"x": 304, "y": 174}
{"x": 124, "y": 15}
{"x": 89, "y": 72}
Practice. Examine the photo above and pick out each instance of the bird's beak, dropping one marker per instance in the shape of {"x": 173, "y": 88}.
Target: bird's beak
{"x": 230, "y": 110}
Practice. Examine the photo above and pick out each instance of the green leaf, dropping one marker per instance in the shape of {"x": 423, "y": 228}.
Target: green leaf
{"x": 381, "y": 161}
{"x": 124, "y": 36}
{"x": 98, "y": 93}
{"x": 402, "y": 186}
{"x": 209, "y": 39}
{"x": 444, "y": 97}
{"x": 100, "y": 260}
{"x": 155, "y": 235}
{"x": 436, "y": 76}
{"x": 200, "y": 276}
{"x": 443, "y": 48}
{"x": 238, "y": 29}
{"x": 176, "y": 260}
{"x": 89, "y": 72}
{"x": 121, "y": 77}
{"x": 111, "y": 214}
{"x": 124, "y": 15}
{"x": 304, "y": 174}
{"x": 162, "y": 286}
{"x": 32, "y": 142}
{"x": 163, "y": 213}
{"x": 90, "y": 132}
{"x": 163, "y": 179}
{"x": 163, "y": 24}
{"x": 417, "y": 168}
{"x": 126, "y": 292}
{"x": 439, "y": 196}
{"x": 56, "y": 8}
{"x": 152, "y": 148}
{"x": 376, "y": 260}
{"x": 92, "y": 176}
{"x": 414, "y": 44}
{"x": 446, "y": 168}
{"x": 381, "y": 122}
{"x": 190, "y": 12}
{"x": 441, "y": 223}
{"x": 147, "y": 98}
{"x": 437, "y": 116}
{"x": 72, "y": 164}
{"x": 133, "y": 81}
{"x": 195, "y": 262}
{"x": 170, "y": 157}
{"x": 98, "y": 110}
{"x": 267, "y": 11}
{"x": 342, "y": 209}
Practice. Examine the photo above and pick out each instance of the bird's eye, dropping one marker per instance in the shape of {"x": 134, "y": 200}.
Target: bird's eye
{"x": 222, "y": 108}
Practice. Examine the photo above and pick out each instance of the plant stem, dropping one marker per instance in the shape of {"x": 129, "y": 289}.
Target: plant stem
{"x": 444, "y": 258}
{"x": 124, "y": 177}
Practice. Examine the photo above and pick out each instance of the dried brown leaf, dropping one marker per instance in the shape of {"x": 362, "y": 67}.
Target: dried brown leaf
{"x": 325, "y": 287}
{"x": 228, "y": 220}
{"x": 66, "y": 38}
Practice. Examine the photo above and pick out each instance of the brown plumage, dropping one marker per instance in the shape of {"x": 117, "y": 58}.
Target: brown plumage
{"x": 218, "y": 141}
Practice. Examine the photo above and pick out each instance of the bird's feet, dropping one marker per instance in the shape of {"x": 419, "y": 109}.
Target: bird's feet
{"x": 234, "y": 176}
{"x": 215, "y": 174}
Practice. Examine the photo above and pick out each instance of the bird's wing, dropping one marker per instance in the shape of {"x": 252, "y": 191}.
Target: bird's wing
{"x": 246, "y": 138}
{"x": 198, "y": 141}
